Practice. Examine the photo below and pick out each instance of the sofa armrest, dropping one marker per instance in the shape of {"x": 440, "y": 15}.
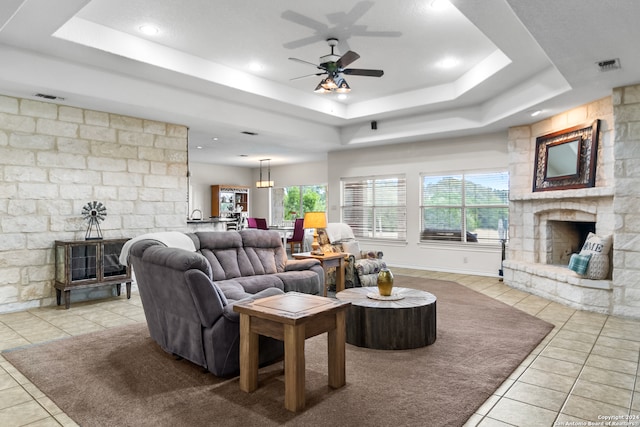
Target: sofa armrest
{"x": 370, "y": 255}
{"x": 300, "y": 264}
{"x": 207, "y": 297}
{"x": 234, "y": 316}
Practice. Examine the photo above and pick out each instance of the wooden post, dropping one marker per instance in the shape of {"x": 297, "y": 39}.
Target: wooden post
{"x": 248, "y": 355}
{"x": 294, "y": 367}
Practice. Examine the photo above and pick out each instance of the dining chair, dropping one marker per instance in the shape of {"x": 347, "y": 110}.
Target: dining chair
{"x": 251, "y": 223}
{"x": 298, "y": 235}
{"x": 261, "y": 224}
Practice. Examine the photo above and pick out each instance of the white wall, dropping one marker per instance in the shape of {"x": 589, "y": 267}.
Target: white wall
{"x": 203, "y": 176}
{"x": 314, "y": 173}
{"x": 474, "y": 153}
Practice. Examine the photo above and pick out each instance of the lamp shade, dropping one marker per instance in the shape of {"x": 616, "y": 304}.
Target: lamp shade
{"x": 315, "y": 220}
{"x": 268, "y": 183}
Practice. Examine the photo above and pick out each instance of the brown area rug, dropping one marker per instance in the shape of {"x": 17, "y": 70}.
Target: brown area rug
{"x": 120, "y": 377}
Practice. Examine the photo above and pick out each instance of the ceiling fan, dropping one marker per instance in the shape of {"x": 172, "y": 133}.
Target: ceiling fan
{"x": 334, "y": 66}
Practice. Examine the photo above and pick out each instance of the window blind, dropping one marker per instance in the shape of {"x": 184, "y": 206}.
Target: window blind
{"x": 376, "y": 207}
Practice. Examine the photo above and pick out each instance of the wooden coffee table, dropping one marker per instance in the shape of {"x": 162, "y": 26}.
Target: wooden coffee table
{"x": 407, "y": 323}
{"x": 328, "y": 260}
{"x": 292, "y": 317}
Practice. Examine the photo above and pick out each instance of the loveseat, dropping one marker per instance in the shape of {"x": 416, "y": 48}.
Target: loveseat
{"x": 188, "y": 294}
{"x": 362, "y": 267}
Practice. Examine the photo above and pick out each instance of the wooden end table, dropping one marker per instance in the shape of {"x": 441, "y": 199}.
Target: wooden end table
{"x": 292, "y": 317}
{"x": 328, "y": 260}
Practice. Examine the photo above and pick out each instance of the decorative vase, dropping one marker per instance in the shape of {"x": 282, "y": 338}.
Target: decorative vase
{"x": 385, "y": 282}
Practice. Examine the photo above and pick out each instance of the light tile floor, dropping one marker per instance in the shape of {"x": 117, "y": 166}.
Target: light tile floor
{"x": 584, "y": 371}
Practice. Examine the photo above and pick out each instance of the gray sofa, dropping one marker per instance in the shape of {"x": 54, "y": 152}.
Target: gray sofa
{"x": 188, "y": 296}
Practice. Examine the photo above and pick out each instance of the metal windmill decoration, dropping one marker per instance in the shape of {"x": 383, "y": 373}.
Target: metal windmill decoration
{"x": 93, "y": 213}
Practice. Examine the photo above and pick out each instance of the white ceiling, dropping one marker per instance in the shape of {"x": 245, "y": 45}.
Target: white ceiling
{"x": 512, "y": 57}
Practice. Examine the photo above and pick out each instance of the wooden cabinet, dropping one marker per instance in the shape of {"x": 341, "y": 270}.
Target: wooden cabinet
{"x": 226, "y": 198}
{"x": 87, "y": 264}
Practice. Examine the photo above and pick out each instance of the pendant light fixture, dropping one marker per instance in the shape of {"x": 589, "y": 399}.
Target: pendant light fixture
{"x": 262, "y": 183}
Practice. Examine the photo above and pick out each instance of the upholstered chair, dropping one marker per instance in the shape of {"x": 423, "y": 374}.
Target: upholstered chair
{"x": 362, "y": 267}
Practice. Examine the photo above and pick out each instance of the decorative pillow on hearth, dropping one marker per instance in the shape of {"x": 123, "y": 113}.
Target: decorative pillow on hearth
{"x": 599, "y": 248}
{"x": 596, "y": 245}
{"x": 598, "y": 267}
{"x": 579, "y": 263}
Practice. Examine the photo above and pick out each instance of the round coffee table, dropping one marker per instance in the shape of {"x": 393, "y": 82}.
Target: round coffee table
{"x": 402, "y": 324}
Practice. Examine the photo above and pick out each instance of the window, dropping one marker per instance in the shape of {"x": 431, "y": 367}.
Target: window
{"x": 376, "y": 207}
{"x": 468, "y": 207}
{"x": 289, "y": 203}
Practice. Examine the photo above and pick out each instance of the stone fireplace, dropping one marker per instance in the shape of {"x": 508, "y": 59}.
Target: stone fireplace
{"x": 561, "y": 237}
{"x": 547, "y": 227}
{"x": 565, "y": 238}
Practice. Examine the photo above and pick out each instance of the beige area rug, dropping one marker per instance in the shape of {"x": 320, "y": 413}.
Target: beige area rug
{"x": 120, "y": 377}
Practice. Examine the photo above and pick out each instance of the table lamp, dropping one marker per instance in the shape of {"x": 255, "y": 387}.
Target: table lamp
{"x": 315, "y": 220}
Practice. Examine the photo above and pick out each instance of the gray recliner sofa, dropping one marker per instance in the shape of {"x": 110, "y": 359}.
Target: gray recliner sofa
{"x": 188, "y": 296}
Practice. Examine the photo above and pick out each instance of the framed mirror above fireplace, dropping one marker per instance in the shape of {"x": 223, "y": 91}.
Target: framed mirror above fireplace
{"x": 567, "y": 159}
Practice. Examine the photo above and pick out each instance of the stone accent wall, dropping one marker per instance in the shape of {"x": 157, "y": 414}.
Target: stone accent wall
{"x": 626, "y": 203}
{"x": 53, "y": 160}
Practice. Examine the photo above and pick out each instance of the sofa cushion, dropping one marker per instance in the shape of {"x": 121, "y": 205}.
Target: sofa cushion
{"x": 232, "y": 290}
{"x": 222, "y": 249}
{"x": 255, "y": 284}
{"x": 264, "y": 251}
{"x": 305, "y": 281}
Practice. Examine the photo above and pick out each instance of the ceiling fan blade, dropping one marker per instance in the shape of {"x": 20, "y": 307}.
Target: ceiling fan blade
{"x": 347, "y": 59}
{"x": 303, "y": 42}
{"x": 349, "y": 18}
{"x": 298, "y": 18}
{"x": 366, "y": 33}
{"x": 308, "y": 75}
{"x": 302, "y": 61}
{"x": 362, "y": 72}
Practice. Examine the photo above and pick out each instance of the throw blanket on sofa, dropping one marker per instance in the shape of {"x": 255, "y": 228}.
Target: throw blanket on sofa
{"x": 339, "y": 231}
{"x": 171, "y": 239}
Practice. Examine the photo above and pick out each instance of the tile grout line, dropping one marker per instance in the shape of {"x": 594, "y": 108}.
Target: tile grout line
{"x": 569, "y": 394}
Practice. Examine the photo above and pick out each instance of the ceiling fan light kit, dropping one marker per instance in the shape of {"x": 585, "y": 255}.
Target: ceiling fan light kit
{"x": 334, "y": 66}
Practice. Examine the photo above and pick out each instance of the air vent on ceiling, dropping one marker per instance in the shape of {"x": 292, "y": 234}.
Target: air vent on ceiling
{"x": 46, "y": 96}
{"x": 609, "y": 64}
{"x": 246, "y": 132}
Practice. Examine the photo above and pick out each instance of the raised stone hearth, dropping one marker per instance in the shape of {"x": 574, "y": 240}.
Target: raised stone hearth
{"x": 554, "y": 228}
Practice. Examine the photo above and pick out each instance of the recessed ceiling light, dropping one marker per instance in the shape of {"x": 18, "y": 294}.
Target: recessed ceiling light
{"x": 439, "y": 4}
{"x": 256, "y": 66}
{"x": 199, "y": 147}
{"x": 150, "y": 30}
{"x": 215, "y": 138}
{"x": 447, "y": 63}
{"x": 536, "y": 113}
